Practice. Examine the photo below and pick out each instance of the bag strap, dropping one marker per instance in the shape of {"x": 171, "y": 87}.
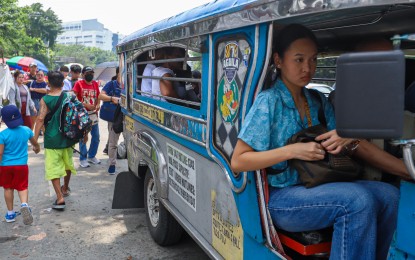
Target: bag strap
{"x": 321, "y": 115}
{"x": 58, "y": 103}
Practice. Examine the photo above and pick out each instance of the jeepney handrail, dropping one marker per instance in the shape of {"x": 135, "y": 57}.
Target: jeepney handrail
{"x": 169, "y": 60}
{"x": 171, "y": 79}
{"x": 171, "y": 98}
{"x": 407, "y": 158}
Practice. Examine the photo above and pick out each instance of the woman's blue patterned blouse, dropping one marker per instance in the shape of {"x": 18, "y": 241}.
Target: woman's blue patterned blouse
{"x": 273, "y": 118}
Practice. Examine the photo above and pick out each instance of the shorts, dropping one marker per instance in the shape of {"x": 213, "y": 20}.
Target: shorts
{"x": 14, "y": 177}
{"x": 57, "y": 162}
{"x": 37, "y": 106}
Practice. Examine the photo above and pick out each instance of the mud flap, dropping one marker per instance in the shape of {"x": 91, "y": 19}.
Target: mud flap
{"x": 128, "y": 191}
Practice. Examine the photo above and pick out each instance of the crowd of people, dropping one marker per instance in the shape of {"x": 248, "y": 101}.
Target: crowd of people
{"x": 30, "y": 110}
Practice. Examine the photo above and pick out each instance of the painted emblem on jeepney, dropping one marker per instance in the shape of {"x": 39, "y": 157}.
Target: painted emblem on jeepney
{"x": 231, "y": 61}
{"x": 245, "y": 58}
{"x": 228, "y": 100}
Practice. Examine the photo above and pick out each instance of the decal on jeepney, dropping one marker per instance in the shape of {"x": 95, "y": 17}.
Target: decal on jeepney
{"x": 182, "y": 175}
{"x": 228, "y": 100}
{"x": 129, "y": 124}
{"x": 229, "y": 83}
{"x": 230, "y": 63}
{"x": 227, "y": 234}
{"x": 174, "y": 122}
{"x": 246, "y": 56}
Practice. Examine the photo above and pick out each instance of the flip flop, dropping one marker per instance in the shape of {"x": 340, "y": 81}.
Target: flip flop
{"x": 60, "y": 206}
{"x": 67, "y": 193}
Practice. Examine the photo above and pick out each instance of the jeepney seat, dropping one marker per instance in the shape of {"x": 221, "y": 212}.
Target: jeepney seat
{"x": 308, "y": 243}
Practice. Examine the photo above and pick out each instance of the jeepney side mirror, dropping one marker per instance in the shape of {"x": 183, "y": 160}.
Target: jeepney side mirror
{"x": 370, "y": 88}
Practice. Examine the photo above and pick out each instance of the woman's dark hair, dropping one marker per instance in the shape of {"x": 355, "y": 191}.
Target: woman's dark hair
{"x": 16, "y": 74}
{"x": 288, "y": 35}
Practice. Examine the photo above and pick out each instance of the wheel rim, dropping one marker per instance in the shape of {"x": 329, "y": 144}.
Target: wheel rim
{"x": 152, "y": 203}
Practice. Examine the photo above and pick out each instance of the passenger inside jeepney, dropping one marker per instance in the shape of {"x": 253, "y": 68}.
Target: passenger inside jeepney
{"x": 287, "y": 108}
{"x": 170, "y": 88}
{"x": 165, "y": 87}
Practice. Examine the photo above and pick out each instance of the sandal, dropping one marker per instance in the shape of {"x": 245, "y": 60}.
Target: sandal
{"x": 67, "y": 193}
{"x": 60, "y": 206}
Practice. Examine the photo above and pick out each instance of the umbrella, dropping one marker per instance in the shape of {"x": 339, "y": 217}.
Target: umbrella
{"x": 22, "y": 63}
{"x": 105, "y": 71}
{"x": 13, "y": 62}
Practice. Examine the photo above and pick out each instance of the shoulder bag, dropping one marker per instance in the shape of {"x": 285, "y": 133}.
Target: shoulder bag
{"x": 333, "y": 168}
{"x": 107, "y": 109}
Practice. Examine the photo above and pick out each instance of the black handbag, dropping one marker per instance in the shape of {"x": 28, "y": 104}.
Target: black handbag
{"x": 118, "y": 124}
{"x": 333, "y": 168}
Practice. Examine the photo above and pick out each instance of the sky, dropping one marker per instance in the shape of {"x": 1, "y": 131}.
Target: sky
{"x": 118, "y": 16}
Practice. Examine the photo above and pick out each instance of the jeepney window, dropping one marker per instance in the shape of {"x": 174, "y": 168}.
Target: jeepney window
{"x": 175, "y": 67}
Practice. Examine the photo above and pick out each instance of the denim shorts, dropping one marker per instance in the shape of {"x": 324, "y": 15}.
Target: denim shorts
{"x": 37, "y": 106}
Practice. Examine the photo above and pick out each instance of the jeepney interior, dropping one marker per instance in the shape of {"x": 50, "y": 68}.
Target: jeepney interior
{"x": 187, "y": 87}
{"x": 338, "y": 32}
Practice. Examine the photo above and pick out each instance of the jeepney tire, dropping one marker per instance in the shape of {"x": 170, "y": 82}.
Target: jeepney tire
{"x": 163, "y": 227}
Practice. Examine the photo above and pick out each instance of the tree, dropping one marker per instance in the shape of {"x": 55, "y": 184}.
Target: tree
{"x": 13, "y": 37}
{"x": 90, "y": 56}
{"x": 43, "y": 24}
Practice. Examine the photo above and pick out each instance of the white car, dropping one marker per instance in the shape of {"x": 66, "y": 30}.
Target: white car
{"x": 323, "y": 88}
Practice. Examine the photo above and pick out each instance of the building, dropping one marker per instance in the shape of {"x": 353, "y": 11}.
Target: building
{"x": 90, "y": 33}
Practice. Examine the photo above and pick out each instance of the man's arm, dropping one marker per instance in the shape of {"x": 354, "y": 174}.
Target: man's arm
{"x": 166, "y": 87}
{"x": 40, "y": 119}
{"x": 381, "y": 159}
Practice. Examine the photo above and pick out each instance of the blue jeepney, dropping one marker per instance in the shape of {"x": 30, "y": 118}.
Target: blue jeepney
{"x": 179, "y": 148}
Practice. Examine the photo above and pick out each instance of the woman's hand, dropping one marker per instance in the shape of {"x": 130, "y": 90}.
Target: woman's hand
{"x": 310, "y": 151}
{"x": 332, "y": 142}
{"x": 115, "y": 100}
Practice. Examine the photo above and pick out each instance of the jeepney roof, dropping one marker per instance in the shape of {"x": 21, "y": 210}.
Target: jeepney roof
{"x": 228, "y": 14}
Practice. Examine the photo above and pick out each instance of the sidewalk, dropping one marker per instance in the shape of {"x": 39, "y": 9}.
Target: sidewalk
{"x": 88, "y": 228}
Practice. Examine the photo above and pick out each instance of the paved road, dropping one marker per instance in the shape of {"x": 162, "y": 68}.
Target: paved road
{"x": 88, "y": 228}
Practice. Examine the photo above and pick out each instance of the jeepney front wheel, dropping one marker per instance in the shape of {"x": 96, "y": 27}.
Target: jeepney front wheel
{"x": 164, "y": 228}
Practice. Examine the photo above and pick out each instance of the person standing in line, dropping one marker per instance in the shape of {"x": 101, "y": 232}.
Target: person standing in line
{"x": 75, "y": 74}
{"x": 14, "y": 172}
{"x": 31, "y": 76}
{"x": 111, "y": 93}
{"x": 67, "y": 85}
{"x": 87, "y": 91}
{"x": 37, "y": 91}
{"x": 58, "y": 149}
{"x": 23, "y": 99}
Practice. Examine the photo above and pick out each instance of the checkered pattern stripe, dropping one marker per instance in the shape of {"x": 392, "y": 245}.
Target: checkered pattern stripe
{"x": 226, "y": 134}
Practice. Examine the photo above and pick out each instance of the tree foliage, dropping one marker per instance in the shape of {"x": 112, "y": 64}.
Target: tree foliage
{"x": 32, "y": 31}
{"x": 89, "y": 56}
{"x": 13, "y": 37}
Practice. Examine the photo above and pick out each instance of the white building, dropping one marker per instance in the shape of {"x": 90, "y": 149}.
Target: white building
{"x": 90, "y": 33}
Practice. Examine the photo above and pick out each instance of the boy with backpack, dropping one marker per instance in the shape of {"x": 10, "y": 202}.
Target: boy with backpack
{"x": 14, "y": 172}
{"x": 58, "y": 147}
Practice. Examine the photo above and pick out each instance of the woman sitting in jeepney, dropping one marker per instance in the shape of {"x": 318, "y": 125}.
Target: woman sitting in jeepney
{"x": 362, "y": 213}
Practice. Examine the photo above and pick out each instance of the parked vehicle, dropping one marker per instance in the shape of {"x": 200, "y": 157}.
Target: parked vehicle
{"x": 179, "y": 149}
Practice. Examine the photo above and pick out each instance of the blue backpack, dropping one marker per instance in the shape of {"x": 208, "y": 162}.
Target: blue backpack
{"x": 74, "y": 119}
